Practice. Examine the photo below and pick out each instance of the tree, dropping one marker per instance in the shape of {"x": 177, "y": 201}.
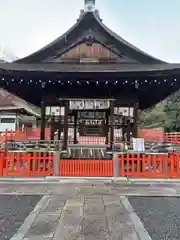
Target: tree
{"x": 156, "y": 117}
{"x": 165, "y": 114}
{"x": 172, "y": 109}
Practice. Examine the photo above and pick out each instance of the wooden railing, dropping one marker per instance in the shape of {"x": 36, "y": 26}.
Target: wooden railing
{"x": 26, "y": 164}
{"x": 172, "y": 137}
{"x": 86, "y": 168}
{"x": 149, "y": 165}
{"x": 129, "y": 165}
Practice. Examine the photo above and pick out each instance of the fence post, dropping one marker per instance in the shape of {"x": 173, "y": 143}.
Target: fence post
{"x": 56, "y": 163}
{"x": 115, "y": 165}
{"x": 1, "y": 163}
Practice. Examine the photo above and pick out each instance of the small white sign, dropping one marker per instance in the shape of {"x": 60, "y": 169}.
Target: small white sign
{"x": 55, "y": 111}
{"x": 77, "y": 104}
{"x": 138, "y": 144}
{"x": 89, "y": 104}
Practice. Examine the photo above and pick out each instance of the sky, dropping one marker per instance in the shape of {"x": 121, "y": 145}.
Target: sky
{"x": 151, "y": 25}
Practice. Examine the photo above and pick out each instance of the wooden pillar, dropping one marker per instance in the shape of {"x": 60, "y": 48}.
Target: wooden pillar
{"x": 43, "y": 112}
{"x": 128, "y": 130}
{"x": 135, "y": 124}
{"x": 75, "y": 126}
{"x": 52, "y": 127}
{"x": 59, "y": 128}
{"x": 111, "y": 124}
{"x": 107, "y": 126}
{"x": 65, "y": 145}
{"x": 123, "y": 129}
{"x": 43, "y": 107}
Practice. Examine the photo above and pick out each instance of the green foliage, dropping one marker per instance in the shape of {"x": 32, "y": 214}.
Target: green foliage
{"x": 165, "y": 114}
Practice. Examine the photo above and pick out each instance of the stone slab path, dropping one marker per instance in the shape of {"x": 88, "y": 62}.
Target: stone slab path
{"x": 82, "y": 217}
{"x": 92, "y": 210}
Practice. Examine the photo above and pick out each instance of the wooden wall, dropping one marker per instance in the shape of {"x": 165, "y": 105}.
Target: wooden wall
{"x": 84, "y": 50}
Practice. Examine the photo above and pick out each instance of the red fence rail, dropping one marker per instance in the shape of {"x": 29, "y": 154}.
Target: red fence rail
{"x": 172, "y": 137}
{"x": 149, "y": 166}
{"x": 86, "y": 168}
{"x": 130, "y": 165}
{"x": 26, "y": 164}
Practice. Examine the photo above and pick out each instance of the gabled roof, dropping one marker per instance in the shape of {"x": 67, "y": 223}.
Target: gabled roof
{"x": 89, "y": 25}
{"x": 9, "y": 101}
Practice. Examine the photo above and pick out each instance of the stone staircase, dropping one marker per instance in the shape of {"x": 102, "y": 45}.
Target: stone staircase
{"x": 85, "y": 153}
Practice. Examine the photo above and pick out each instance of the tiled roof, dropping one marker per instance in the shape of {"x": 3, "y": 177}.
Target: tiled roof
{"x": 82, "y": 67}
{"x": 10, "y": 100}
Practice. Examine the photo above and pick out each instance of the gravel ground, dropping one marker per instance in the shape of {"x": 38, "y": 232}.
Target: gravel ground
{"x": 13, "y": 211}
{"x": 160, "y": 215}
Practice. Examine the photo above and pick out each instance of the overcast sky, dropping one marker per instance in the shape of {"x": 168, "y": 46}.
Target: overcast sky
{"x": 152, "y": 25}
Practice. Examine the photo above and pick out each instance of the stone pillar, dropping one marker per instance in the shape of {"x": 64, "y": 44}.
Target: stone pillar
{"x": 115, "y": 164}
{"x": 56, "y": 163}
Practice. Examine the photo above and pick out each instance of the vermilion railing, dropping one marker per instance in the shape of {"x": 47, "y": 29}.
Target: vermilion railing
{"x": 26, "y": 164}
{"x": 86, "y": 168}
{"x": 172, "y": 137}
{"x": 130, "y": 165}
{"x": 149, "y": 165}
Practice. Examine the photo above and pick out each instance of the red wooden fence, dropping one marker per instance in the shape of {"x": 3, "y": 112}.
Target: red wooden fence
{"x": 149, "y": 165}
{"x": 86, "y": 168}
{"x": 130, "y": 165}
{"x": 172, "y": 137}
{"x": 26, "y": 164}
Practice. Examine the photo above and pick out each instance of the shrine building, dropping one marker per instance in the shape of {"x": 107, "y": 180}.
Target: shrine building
{"x": 90, "y": 82}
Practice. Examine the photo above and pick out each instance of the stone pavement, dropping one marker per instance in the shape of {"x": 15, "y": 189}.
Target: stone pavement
{"x": 82, "y": 217}
{"x": 79, "y": 187}
{"x": 91, "y": 210}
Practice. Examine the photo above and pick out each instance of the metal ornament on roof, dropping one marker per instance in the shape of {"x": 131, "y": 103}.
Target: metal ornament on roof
{"x": 89, "y": 5}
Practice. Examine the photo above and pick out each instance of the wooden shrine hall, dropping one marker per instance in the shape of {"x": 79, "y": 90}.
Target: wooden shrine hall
{"x": 90, "y": 82}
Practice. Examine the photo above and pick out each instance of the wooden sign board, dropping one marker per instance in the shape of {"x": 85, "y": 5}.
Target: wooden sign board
{"x": 89, "y": 104}
{"x": 54, "y": 111}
